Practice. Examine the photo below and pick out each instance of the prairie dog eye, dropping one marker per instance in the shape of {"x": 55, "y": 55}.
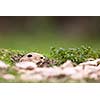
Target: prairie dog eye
{"x": 29, "y": 55}
{"x": 41, "y": 57}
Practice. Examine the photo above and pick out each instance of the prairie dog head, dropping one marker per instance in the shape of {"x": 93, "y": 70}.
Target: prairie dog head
{"x": 34, "y": 57}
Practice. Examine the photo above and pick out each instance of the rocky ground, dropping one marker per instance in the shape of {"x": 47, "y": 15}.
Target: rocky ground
{"x": 31, "y": 69}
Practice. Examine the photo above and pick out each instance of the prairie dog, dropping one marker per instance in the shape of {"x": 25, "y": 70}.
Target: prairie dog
{"x": 34, "y": 57}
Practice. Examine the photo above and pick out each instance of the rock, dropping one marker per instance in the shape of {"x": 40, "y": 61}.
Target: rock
{"x": 68, "y": 63}
{"x": 89, "y": 69}
{"x": 98, "y": 72}
{"x": 79, "y": 68}
{"x": 91, "y": 63}
{"x": 98, "y": 61}
{"x": 98, "y": 66}
{"x": 78, "y": 76}
{"x": 30, "y": 77}
{"x": 90, "y": 59}
{"x": 50, "y": 72}
{"x": 23, "y": 71}
{"x": 26, "y": 65}
{"x": 93, "y": 76}
{"x": 8, "y": 77}
{"x": 69, "y": 71}
{"x": 39, "y": 70}
{"x": 3, "y": 65}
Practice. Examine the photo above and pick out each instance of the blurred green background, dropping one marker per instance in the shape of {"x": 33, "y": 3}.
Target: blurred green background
{"x": 42, "y": 32}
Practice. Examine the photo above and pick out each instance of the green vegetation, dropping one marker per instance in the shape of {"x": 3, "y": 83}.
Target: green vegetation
{"x": 77, "y": 55}
{"x": 9, "y": 56}
{"x": 59, "y": 55}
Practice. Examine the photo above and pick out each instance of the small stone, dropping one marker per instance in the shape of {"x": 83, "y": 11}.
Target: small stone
{"x": 98, "y": 72}
{"x": 68, "y": 63}
{"x": 23, "y": 71}
{"x": 39, "y": 70}
{"x": 8, "y": 77}
{"x": 90, "y": 59}
{"x": 30, "y": 77}
{"x": 88, "y": 69}
{"x": 50, "y": 72}
{"x": 26, "y": 65}
{"x": 98, "y": 66}
{"x": 78, "y": 76}
{"x": 79, "y": 68}
{"x": 69, "y": 71}
{"x": 98, "y": 61}
{"x": 93, "y": 76}
{"x": 91, "y": 63}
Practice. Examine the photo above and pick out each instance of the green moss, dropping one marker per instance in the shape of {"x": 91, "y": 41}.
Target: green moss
{"x": 76, "y": 55}
{"x": 9, "y": 56}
